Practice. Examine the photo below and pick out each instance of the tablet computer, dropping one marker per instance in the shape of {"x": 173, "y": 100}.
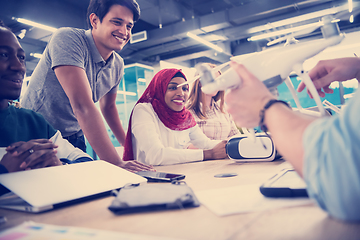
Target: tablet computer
{"x": 287, "y": 183}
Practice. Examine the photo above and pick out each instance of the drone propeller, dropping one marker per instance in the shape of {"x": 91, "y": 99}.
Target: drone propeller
{"x": 345, "y": 15}
{"x": 342, "y": 15}
{"x": 306, "y": 30}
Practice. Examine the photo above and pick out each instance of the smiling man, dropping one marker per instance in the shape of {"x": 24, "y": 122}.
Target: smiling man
{"x": 27, "y": 141}
{"x": 79, "y": 68}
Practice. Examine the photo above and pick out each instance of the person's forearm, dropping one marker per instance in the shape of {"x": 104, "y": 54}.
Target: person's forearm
{"x": 287, "y": 129}
{"x": 207, "y": 154}
{"x": 94, "y": 129}
{"x": 112, "y": 118}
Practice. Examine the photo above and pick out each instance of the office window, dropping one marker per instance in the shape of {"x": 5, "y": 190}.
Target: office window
{"x": 132, "y": 85}
{"x": 342, "y": 93}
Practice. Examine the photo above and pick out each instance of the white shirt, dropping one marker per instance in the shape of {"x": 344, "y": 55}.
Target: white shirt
{"x": 155, "y": 144}
{"x": 217, "y": 125}
{"x": 64, "y": 149}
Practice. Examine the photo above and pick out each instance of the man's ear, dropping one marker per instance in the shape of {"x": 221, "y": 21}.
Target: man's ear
{"x": 94, "y": 20}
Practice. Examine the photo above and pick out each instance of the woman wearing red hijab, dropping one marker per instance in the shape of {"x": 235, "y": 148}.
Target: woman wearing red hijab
{"x": 161, "y": 129}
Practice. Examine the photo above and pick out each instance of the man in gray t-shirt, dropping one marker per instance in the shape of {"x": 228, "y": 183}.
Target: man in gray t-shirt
{"x": 79, "y": 68}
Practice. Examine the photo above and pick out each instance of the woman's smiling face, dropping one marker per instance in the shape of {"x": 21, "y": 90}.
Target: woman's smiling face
{"x": 175, "y": 97}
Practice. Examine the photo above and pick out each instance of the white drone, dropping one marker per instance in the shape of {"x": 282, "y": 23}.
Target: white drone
{"x": 273, "y": 66}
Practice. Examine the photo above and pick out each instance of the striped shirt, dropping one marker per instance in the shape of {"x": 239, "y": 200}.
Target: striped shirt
{"x": 218, "y": 125}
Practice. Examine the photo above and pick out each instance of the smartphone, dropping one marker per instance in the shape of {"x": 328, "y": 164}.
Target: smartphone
{"x": 160, "y": 176}
{"x": 286, "y": 183}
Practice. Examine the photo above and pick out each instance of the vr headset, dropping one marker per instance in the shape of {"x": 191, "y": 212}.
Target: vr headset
{"x": 245, "y": 149}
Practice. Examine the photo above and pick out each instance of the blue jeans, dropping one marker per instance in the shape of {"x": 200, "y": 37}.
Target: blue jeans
{"x": 77, "y": 141}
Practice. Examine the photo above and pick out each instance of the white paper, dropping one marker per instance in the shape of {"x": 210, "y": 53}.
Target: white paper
{"x": 31, "y": 231}
{"x": 244, "y": 198}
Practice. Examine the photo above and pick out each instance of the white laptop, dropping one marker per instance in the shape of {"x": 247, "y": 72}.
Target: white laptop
{"x": 47, "y": 188}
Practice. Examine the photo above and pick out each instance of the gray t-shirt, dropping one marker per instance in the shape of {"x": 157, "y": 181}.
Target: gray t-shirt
{"x": 75, "y": 47}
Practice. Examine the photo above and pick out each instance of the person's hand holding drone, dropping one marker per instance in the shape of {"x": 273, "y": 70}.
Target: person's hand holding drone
{"x": 245, "y": 102}
{"x": 328, "y": 71}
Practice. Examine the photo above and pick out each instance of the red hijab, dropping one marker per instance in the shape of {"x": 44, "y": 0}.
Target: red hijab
{"x": 155, "y": 94}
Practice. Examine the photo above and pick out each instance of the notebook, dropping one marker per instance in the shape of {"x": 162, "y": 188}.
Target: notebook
{"x": 44, "y": 189}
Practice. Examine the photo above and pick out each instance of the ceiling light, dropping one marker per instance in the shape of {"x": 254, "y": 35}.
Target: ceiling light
{"x": 351, "y": 19}
{"x": 282, "y": 32}
{"x": 214, "y": 37}
{"x": 35, "y": 24}
{"x": 298, "y": 19}
{"x": 209, "y": 44}
{"x": 36, "y": 55}
{"x": 350, "y": 3}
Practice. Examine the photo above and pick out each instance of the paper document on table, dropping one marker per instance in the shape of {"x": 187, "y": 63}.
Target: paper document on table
{"x": 244, "y": 198}
{"x": 31, "y": 230}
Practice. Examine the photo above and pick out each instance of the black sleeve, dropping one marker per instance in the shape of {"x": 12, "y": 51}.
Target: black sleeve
{"x": 3, "y": 169}
{"x": 78, "y": 160}
{"x": 3, "y": 189}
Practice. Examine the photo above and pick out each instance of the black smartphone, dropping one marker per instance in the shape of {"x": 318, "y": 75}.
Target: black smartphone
{"x": 287, "y": 183}
{"x": 160, "y": 176}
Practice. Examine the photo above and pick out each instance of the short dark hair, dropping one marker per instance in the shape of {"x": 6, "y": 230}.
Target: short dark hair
{"x": 102, "y": 7}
